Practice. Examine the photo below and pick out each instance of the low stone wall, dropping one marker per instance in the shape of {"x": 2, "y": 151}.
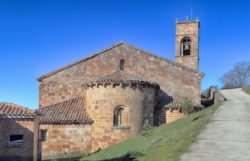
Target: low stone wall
{"x": 173, "y": 115}
{"x": 64, "y": 139}
{"x": 213, "y": 96}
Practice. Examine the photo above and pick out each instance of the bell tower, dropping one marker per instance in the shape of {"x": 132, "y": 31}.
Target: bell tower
{"x": 187, "y": 43}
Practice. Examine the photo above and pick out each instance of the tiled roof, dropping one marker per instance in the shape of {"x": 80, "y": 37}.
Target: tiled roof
{"x": 113, "y": 46}
{"x": 10, "y": 110}
{"x": 120, "y": 77}
{"x": 173, "y": 102}
{"x": 67, "y": 112}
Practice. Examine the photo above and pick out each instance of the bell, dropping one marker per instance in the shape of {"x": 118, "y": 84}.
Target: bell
{"x": 186, "y": 47}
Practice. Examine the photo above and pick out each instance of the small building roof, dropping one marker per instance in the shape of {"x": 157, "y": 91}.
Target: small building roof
{"x": 10, "y": 110}
{"x": 120, "y": 77}
{"x": 176, "y": 102}
{"x": 173, "y": 102}
{"x": 68, "y": 112}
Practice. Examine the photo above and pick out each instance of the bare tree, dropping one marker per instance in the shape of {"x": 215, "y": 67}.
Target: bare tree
{"x": 239, "y": 76}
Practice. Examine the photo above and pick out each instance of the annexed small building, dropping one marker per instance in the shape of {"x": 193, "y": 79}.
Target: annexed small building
{"x": 18, "y": 134}
{"x": 65, "y": 128}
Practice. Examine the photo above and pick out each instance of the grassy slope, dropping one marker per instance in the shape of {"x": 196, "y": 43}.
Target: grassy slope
{"x": 62, "y": 156}
{"x": 165, "y": 143}
{"x": 246, "y": 89}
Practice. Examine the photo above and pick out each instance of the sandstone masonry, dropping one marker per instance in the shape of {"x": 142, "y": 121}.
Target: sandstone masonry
{"x": 108, "y": 97}
{"x": 122, "y": 87}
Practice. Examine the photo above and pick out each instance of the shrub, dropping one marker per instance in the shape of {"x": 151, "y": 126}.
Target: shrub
{"x": 146, "y": 128}
{"x": 187, "y": 106}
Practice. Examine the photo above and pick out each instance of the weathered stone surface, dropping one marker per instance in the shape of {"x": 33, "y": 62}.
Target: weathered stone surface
{"x": 173, "y": 115}
{"x": 138, "y": 104}
{"x": 64, "y": 139}
{"x": 191, "y": 30}
{"x": 173, "y": 79}
{"x": 24, "y": 127}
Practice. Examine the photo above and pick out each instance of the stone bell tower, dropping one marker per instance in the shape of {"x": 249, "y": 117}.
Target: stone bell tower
{"x": 187, "y": 43}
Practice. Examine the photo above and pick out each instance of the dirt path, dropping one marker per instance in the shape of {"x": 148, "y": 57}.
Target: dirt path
{"x": 226, "y": 137}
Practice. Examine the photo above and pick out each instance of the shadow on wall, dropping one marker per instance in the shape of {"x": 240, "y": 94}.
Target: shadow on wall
{"x": 21, "y": 150}
{"x": 162, "y": 100}
{"x": 14, "y": 158}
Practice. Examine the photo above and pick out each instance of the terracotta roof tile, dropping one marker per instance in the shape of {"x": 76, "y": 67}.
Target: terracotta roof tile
{"x": 69, "y": 112}
{"x": 120, "y": 77}
{"x": 10, "y": 110}
{"x": 174, "y": 102}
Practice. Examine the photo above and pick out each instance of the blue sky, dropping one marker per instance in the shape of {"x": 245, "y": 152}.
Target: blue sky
{"x": 37, "y": 37}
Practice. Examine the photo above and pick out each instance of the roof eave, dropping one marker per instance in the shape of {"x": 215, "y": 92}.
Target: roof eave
{"x": 78, "y": 61}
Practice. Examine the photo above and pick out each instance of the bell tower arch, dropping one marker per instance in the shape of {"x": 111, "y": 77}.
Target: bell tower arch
{"x": 187, "y": 43}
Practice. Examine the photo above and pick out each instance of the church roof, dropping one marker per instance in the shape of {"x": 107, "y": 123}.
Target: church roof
{"x": 67, "y": 112}
{"x": 10, "y": 110}
{"x": 114, "y": 46}
{"x": 120, "y": 77}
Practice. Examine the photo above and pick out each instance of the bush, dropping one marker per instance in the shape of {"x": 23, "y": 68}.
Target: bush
{"x": 146, "y": 128}
{"x": 187, "y": 106}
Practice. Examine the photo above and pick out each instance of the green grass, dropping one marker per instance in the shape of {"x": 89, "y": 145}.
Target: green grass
{"x": 71, "y": 155}
{"x": 246, "y": 89}
{"x": 165, "y": 143}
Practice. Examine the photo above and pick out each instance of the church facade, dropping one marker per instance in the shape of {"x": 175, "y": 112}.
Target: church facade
{"x": 123, "y": 86}
{"x": 107, "y": 97}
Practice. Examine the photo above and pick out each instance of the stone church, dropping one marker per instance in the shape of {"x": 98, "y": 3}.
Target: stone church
{"x": 106, "y": 98}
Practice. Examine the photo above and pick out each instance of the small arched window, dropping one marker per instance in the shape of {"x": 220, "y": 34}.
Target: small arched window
{"x": 118, "y": 114}
{"x": 122, "y": 64}
{"x": 186, "y": 46}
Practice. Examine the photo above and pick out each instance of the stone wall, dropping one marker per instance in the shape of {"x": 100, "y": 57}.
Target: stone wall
{"x": 138, "y": 104}
{"x": 212, "y": 96}
{"x": 173, "y": 115}
{"x": 173, "y": 79}
{"x": 14, "y": 152}
{"x": 64, "y": 139}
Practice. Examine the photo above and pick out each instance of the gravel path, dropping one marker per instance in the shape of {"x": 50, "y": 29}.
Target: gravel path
{"x": 226, "y": 137}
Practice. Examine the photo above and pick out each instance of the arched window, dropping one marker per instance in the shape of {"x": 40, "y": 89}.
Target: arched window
{"x": 120, "y": 117}
{"x": 186, "y": 46}
{"x": 118, "y": 114}
{"x": 122, "y": 63}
